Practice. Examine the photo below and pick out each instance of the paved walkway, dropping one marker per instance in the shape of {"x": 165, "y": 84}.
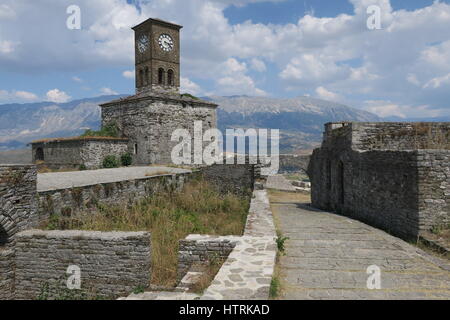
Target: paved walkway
{"x": 279, "y": 182}
{"x": 327, "y": 257}
{"x": 63, "y": 180}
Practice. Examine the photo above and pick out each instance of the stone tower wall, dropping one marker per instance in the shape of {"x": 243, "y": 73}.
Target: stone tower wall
{"x": 149, "y": 124}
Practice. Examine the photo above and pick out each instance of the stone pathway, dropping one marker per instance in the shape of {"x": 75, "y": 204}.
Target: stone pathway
{"x": 64, "y": 180}
{"x": 279, "y": 182}
{"x": 327, "y": 257}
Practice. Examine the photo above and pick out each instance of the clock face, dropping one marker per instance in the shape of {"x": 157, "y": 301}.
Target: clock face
{"x": 165, "y": 42}
{"x": 143, "y": 43}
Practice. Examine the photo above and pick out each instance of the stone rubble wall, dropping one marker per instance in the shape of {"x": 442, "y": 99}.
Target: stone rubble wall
{"x": 70, "y": 201}
{"x": 235, "y": 178}
{"x": 111, "y": 263}
{"x": 398, "y": 189}
{"x": 250, "y": 259}
{"x": 434, "y": 188}
{"x": 400, "y": 136}
{"x": 149, "y": 124}
{"x": 6, "y": 274}
{"x": 74, "y": 153}
{"x": 94, "y": 152}
{"x": 18, "y": 205}
{"x": 199, "y": 249}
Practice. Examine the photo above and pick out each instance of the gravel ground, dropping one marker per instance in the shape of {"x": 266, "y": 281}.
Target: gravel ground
{"x": 63, "y": 180}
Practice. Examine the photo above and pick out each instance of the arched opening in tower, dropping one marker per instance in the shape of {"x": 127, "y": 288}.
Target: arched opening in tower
{"x": 170, "y": 77}
{"x": 161, "y": 76}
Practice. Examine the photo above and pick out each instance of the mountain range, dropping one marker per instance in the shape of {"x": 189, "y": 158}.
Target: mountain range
{"x": 300, "y": 119}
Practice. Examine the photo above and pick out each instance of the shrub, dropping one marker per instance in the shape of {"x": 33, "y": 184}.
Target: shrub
{"x": 110, "y": 162}
{"x": 110, "y": 130}
{"x": 126, "y": 159}
{"x": 83, "y": 167}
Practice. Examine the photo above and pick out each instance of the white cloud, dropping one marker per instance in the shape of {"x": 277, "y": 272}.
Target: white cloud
{"x": 438, "y": 82}
{"x": 258, "y": 65}
{"x": 25, "y": 95}
{"x": 325, "y": 94}
{"x": 337, "y": 53}
{"x": 77, "y": 79}
{"x": 233, "y": 80}
{"x": 107, "y": 91}
{"x": 189, "y": 86}
{"x": 57, "y": 96}
{"x": 389, "y": 109}
{"x": 17, "y": 96}
{"x": 129, "y": 74}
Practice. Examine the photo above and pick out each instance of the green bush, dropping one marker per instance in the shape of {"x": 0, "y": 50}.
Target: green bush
{"x": 110, "y": 130}
{"x": 126, "y": 159}
{"x": 110, "y": 162}
{"x": 82, "y": 167}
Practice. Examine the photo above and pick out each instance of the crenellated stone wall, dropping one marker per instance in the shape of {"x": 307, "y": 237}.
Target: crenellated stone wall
{"x": 110, "y": 263}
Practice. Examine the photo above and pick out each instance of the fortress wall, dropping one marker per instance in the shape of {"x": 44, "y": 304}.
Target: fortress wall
{"x": 18, "y": 205}
{"x": 6, "y": 274}
{"x": 71, "y": 201}
{"x": 111, "y": 263}
{"x": 434, "y": 188}
{"x": 376, "y": 187}
{"x": 400, "y": 135}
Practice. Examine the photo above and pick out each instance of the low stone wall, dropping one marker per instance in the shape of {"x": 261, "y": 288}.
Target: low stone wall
{"x": 73, "y": 200}
{"x": 235, "y": 178}
{"x": 111, "y": 263}
{"x": 198, "y": 249}
{"x": 250, "y": 259}
{"x": 6, "y": 274}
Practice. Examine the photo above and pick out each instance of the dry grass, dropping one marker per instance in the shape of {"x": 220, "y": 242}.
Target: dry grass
{"x": 288, "y": 197}
{"x": 198, "y": 209}
{"x": 157, "y": 173}
{"x": 42, "y": 168}
{"x": 208, "y": 275}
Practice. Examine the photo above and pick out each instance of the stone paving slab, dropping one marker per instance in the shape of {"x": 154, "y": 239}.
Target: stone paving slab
{"x": 279, "y": 182}
{"x": 327, "y": 257}
{"x": 64, "y": 180}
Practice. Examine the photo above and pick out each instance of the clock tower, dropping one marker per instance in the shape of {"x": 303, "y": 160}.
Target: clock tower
{"x": 157, "y": 57}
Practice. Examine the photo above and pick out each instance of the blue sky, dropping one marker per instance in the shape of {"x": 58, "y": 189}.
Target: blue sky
{"x": 279, "y": 48}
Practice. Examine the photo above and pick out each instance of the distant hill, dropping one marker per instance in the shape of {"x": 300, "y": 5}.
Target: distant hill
{"x": 300, "y": 119}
